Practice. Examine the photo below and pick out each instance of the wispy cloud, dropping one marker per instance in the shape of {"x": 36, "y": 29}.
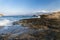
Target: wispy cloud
{"x": 21, "y": 7}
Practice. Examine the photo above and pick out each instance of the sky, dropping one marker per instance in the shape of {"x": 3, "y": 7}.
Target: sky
{"x": 21, "y": 7}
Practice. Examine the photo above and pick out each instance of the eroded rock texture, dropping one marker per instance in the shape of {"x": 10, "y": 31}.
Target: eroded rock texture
{"x": 47, "y": 27}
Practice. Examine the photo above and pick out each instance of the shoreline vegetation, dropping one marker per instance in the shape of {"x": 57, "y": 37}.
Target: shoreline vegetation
{"x": 47, "y": 27}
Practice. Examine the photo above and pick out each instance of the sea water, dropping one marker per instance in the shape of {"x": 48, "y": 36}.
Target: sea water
{"x": 7, "y": 27}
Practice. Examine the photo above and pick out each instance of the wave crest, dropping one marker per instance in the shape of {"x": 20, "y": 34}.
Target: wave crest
{"x": 5, "y": 22}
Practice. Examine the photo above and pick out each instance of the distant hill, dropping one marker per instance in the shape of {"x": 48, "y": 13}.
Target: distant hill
{"x": 1, "y": 15}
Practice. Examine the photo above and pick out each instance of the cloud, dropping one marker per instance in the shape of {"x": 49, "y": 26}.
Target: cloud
{"x": 45, "y": 11}
{"x": 11, "y": 8}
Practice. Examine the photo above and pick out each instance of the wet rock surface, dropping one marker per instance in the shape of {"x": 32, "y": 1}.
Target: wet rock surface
{"x": 45, "y": 28}
{"x": 48, "y": 24}
{"x": 32, "y": 35}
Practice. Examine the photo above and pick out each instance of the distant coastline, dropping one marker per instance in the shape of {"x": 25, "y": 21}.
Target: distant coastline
{"x": 1, "y": 15}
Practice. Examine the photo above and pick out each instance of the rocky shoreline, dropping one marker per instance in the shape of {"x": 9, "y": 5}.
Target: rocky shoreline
{"x": 47, "y": 27}
{"x": 49, "y": 23}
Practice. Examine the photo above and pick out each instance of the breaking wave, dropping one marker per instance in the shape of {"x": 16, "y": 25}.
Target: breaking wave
{"x": 5, "y": 22}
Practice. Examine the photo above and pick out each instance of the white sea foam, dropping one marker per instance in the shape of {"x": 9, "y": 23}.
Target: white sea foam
{"x": 5, "y": 22}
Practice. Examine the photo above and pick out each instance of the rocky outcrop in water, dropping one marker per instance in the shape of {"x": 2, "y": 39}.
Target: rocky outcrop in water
{"x": 49, "y": 23}
{"x": 46, "y": 21}
{"x": 47, "y": 27}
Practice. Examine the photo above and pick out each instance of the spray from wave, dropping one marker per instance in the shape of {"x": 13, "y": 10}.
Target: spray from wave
{"x": 5, "y": 22}
{"x": 6, "y": 25}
